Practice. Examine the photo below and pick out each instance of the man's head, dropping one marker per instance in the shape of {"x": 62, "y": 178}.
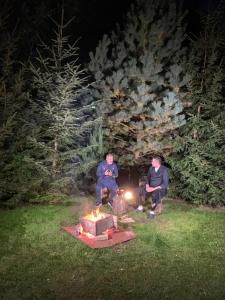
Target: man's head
{"x": 109, "y": 158}
{"x": 156, "y": 161}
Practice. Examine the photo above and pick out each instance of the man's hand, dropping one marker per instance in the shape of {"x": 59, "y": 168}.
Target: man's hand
{"x": 150, "y": 189}
{"x": 108, "y": 173}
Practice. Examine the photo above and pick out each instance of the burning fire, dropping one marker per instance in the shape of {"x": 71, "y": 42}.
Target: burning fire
{"x": 95, "y": 215}
{"x": 81, "y": 230}
{"x": 97, "y": 225}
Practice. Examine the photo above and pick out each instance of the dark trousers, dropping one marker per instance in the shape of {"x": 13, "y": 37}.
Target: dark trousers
{"x": 110, "y": 185}
{"x": 156, "y": 195}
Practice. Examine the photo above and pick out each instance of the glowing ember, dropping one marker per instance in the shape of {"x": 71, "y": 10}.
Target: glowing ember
{"x": 95, "y": 215}
{"x": 82, "y": 232}
{"x": 89, "y": 235}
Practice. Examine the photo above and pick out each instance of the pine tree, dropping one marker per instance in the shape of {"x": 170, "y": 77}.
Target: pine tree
{"x": 63, "y": 119}
{"x": 14, "y": 172}
{"x": 200, "y": 163}
{"x": 139, "y": 76}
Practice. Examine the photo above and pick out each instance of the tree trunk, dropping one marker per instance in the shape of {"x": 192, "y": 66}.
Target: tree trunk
{"x": 54, "y": 163}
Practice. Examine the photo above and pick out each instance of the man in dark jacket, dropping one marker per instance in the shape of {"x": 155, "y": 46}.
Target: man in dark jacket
{"x": 157, "y": 184}
{"x": 106, "y": 172}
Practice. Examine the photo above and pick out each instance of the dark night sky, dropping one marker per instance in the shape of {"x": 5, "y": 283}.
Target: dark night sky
{"x": 100, "y": 16}
{"x": 97, "y": 17}
{"x": 93, "y": 18}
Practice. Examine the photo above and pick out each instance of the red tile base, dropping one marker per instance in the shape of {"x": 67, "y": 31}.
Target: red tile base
{"x": 118, "y": 237}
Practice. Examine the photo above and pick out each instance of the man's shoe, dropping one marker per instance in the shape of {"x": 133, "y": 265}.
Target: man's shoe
{"x": 151, "y": 215}
{"x": 154, "y": 205}
{"x": 139, "y": 210}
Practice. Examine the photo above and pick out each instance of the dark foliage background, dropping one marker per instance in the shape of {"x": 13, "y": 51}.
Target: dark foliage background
{"x": 196, "y": 148}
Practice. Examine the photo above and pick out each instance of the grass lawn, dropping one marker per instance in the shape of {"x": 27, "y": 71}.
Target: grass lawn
{"x": 179, "y": 255}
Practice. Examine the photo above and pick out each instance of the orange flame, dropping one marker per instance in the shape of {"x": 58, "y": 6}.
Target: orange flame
{"x": 95, "y": 215}
{"x": 82, "y": 232}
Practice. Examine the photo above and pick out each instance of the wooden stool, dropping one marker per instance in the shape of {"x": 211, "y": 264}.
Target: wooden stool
{"x": 158, "y": 209}
{"x": 105, "y": 195}
{"x": 119, "y": 205}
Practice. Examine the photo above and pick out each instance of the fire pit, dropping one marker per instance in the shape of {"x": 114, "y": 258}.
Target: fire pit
{"x": 96, "y": 222}
{"x": 99, "y": 230}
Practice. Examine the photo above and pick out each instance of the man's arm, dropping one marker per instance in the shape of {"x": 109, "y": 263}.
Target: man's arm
{"x": 99, "y": 171}
{"x": 148, "y": 188}
{"x": 115, "y": 171}
{"x": 165, "y": 182}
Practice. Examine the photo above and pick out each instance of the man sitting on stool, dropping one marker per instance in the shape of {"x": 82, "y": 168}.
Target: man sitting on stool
{"x": 106, "y": 172}
{"x": 156, "y": 184}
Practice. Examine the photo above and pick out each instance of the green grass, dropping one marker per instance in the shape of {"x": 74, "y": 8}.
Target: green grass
{"x": 179, "y": 255}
